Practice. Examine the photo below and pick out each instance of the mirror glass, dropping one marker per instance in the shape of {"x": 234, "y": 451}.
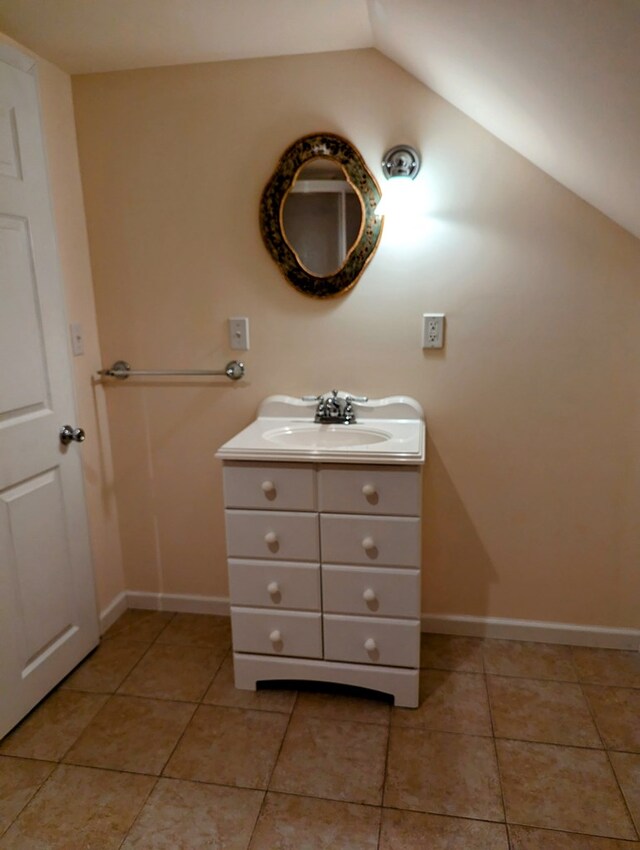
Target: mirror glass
{"x": 322, "y": 216}
{"x": 318, "y": 215}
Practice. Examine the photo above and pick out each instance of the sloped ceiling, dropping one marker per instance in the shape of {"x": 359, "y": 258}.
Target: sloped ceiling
{"x": 85, "y": 36}
{"x": 557, "y": 80}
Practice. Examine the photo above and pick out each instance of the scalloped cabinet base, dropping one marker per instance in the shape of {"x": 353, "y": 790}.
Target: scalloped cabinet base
{"x": 401, "y": 684}
{"x": 324, "y": 573}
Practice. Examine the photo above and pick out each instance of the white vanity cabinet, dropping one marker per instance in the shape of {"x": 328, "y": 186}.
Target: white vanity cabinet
{"x": 324, "y": 573}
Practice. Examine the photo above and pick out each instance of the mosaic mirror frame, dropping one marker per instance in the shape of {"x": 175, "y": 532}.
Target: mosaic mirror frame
{"x": 272, "y": 205}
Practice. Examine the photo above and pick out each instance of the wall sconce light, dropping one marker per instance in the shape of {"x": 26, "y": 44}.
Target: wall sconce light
{"x": 401, "y": 161}
{"x": 400, "y": 165}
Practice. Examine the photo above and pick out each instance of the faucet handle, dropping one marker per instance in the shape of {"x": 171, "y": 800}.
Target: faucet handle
{"x": 329, "y": 394}
{"x": 359, "y": 399}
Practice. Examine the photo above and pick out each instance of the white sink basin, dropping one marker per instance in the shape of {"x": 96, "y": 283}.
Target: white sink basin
{"x": 306, "y": 436}
{"x": 387, "y": 430}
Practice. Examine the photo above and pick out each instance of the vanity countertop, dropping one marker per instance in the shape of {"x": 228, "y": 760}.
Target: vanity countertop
{"x": 387, "y": 431}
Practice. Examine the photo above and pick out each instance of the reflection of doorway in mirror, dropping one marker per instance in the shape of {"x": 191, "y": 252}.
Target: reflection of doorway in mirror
{"x": 322, "y": 216}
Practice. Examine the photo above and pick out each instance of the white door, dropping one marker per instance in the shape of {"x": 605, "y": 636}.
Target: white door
{"x": 48, "y": 618}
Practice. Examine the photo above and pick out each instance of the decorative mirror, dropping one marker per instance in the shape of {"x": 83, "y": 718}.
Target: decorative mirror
{"x": 317, "y": 215}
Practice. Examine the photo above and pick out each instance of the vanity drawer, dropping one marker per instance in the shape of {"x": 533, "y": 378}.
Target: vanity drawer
{"x": 277, "y": 632}
{"x": 265, "y": 486}
{"x": 268, "y": 584}
{"x": 378, "y": 592}
{"x": 384, "y": 541}
{"x": 370, "y": 490}
{"x": 274, "y": 535}
{"x": 367, "y": 640}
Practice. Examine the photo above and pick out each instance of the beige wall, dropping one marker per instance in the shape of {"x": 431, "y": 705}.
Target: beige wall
{"x": 58, "y": 124}
{"x": 531, "y": 484}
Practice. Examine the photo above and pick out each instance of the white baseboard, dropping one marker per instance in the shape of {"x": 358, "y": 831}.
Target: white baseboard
{"x": 182, "y": 603}
{"x": 114, "y": 609}
{"x": 448, "y": 624}
{"x": 531, "y": 630}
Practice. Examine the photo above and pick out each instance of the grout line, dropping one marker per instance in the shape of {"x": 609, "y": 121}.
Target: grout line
{"x": 134, "y": 696}
{"x": 107, "y": 637}
{"x": 495, "y": 753}
{"x": 483, "y": 661}
{"x": 610, "y": 762}
{"x": 577, "y": 681}
{"x": 197, "y": 706}
{"x": 166, "y": 625}
{"x": 552, "y": 744}
{"x": 155, "y": 642}
{"x": 280, "y": 748}
{"x": 126, "y": 676}
{"x": 210, "y": 682}
{"x": 515, "y": 740}
{"x": 384, "y": 779}
{"x": 56, "y": 765}
{"x": 434, "y": 814}
{"x": 275, "y": 762}
{"x": 263, "y": 805}
{"x": 379, "y": 839}
{"x": 489, "y": 735}
{"x": 520, "y": 677}
{"x": 632, "y": 842}
{"x": 559, "y": 681}
{"x": 137, "y": 817}
{"x": 85, "y": 727}
{"x": 201, "y": 701}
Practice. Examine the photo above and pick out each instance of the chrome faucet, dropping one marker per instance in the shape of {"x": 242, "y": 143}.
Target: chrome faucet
{"x": 335, "y": 408}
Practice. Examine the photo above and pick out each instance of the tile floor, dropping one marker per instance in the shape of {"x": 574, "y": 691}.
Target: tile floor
{"x": 147, "y": 745}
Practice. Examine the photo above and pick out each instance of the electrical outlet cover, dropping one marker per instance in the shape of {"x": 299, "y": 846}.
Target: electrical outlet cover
{"x": 432, "y": 330}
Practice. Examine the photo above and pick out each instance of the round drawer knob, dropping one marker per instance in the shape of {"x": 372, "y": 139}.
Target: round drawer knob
{"x": 369, "y": 595}
{"x": 370, "y": 645}
{"x": 273, "y": 588}
{"x": 368, "y": 544}
{"x": 275, "y": 636}
{"x": 268, "y": 487}
{"x": 271, "y": 537}
{"x": 369, "y": 490}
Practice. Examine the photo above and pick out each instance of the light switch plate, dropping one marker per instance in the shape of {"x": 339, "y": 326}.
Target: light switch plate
{"x": 77, "y": 339}
{"x": 239, "y": 333}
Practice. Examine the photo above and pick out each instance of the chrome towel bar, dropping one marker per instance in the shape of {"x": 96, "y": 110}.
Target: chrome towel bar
{"x": 121, "y": 369}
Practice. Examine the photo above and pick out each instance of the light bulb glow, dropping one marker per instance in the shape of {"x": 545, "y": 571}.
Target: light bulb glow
{"x": 402, "y": 198}
{"x": 404, "y": 207}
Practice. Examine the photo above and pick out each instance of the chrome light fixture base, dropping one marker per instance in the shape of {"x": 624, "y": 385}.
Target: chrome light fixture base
{"x": 401, "y": 161}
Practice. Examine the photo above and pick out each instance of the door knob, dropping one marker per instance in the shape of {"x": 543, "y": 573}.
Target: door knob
{"x": 67, "y": 434}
